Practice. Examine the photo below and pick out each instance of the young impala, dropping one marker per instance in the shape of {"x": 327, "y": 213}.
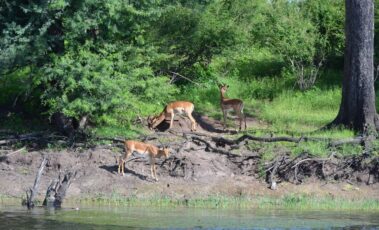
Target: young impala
{"x": 231, "y": 104}
{"x": 176, "y": 107}
{"x": 142, "y": 148}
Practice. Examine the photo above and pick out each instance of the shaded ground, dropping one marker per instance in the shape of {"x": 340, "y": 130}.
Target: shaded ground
{"x": 208, "y": 125}
{"x": 190, "y": 172}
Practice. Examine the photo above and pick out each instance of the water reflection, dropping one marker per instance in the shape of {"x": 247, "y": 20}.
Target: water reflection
{"x": 12, "y": 217}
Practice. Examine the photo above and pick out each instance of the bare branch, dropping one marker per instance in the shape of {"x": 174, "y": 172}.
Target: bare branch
{"x": 186, "y": 78}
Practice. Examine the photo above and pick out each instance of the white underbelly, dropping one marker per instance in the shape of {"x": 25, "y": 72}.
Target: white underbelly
{"x": 140, "y": 153}
{"x": 179, "y": 110}
{"x": 228, "y": 109}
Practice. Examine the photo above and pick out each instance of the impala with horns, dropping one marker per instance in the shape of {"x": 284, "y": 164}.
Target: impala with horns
{"x": 177, "y": 107}
{"x": 150, "y": 150}
{"x": 231, "y": 104}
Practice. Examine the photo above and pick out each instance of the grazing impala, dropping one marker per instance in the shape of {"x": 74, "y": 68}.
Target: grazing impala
{"x": 231, "y": 104}
{"x": 142, "y": 148}
{"x": 176, "y": 107}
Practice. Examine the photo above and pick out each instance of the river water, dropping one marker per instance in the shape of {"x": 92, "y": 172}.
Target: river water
{"x": 16, "y": 217}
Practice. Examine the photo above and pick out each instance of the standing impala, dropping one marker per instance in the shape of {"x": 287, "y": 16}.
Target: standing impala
{"x": 142, "y": 148}
{"x": 231, "y": 104}
{"x": 176, "y": 107}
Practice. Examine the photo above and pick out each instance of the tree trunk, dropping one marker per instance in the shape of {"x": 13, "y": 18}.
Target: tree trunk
{"x": 357, "y": 109}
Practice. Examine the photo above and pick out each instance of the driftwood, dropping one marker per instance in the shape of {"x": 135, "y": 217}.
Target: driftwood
{"x": 31, "y": 193}
{"x": 56, "y": 191}
{"x": 23, "y": 137}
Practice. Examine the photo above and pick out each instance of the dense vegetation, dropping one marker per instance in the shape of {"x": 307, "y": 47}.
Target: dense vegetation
{"x": 114, "y": 61}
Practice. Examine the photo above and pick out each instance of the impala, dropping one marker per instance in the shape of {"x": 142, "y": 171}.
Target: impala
{"x": 151, "y": 151}
{"x": 177, "y": 107}
{"x": 231, "y": 104}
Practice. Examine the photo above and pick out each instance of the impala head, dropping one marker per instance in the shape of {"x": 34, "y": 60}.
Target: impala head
{"x": 151, "y": 121}
{"x": 165, "y": 151}
{"x": 224, "y": 88}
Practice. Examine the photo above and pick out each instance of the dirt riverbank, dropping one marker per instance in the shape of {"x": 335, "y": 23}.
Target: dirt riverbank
{"x": 192, "y": 171}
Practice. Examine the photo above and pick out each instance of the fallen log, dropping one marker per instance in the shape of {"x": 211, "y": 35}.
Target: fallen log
{"x": 357, "y": 140}
{"x": 115, "y": 139}
{"x": 38, "y": 136}
{"x": 211, "y": 146}
{"x": 222, "y": 140}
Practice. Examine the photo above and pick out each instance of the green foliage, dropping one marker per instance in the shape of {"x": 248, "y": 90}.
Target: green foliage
{"x": 27, "y": 33}
{"x": 107, "y": 71}
{"x": 329, "y": 19}
{"x": 317, "y": 149}
{"x": 282, "y": 28}
{"x": 297, "y": 111}
{"x": 103, "y": 86}
{"x": 113, "y": 60}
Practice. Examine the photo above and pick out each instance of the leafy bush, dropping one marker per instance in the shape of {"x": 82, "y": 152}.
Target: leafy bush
{"x": 113, "y": 60}
{"x": 101, "y": 86}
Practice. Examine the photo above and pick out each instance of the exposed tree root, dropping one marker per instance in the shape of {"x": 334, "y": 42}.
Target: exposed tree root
{"x": 285, "y": 167}
{"x": 363, "y": 168}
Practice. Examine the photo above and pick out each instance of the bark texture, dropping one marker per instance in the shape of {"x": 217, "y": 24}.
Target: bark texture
{"x": 357, "y": 109}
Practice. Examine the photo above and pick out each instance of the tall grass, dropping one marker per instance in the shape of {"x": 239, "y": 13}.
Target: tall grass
{"x": 289, "y": 201}
{"x": 302, "y": 111}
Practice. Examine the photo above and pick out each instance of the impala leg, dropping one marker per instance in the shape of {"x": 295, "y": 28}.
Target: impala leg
{"x": 122, "y": 167}
{"x": 240, "y": 119}
{"x": 244, "y": 118}
{"x": 119, "y": 160}
{"x": 127, "y": 155}
{"x": 243, "y": 115}
{"x": 155, "y": 172}
{"x": 193, "y": 122}
{"x": 224, "y": 112}
{"x": 172, "y": 120}
{"x": 152, "y": 169}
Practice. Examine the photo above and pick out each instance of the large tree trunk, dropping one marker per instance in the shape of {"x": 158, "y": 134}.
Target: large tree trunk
{"x": 357, "y": 109}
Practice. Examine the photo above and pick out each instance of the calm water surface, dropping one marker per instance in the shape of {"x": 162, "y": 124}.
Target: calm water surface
{"x": 15, "y": 217}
